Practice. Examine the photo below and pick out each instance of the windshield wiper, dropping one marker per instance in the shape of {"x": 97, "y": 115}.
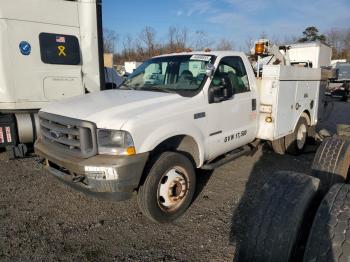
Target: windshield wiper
{"x": 126, "y": 87}
{"x": 157, "y": 88}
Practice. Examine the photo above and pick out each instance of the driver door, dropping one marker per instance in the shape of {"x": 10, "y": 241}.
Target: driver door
{"x": 232, "y": 122}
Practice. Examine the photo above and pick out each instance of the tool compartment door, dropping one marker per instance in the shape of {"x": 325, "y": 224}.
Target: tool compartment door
{"x": 285, "y": 108}
{"x": 298, "y": 91}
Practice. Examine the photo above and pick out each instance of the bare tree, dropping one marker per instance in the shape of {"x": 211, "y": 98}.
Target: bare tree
{"x": 201, "y": 40}
{"x": 172, "y": 33}
{"x": 177, "y": 39}
{"x": 109, "y": 40}
{"x": 339, "y": 40}
{"x": 181, "y": 38}
{"x": 224, "y": 44}
{"x": 248, "y": 44}
{"x": 147, "y": 36}
{"x": 128, "y": 48}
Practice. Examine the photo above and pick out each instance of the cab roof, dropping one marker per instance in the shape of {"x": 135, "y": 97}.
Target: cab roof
{"x": 210, "y": 53}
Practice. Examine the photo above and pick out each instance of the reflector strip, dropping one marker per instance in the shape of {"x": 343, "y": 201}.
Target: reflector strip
{"x": 8, "y": 134}
{"x": 1, "y": 136}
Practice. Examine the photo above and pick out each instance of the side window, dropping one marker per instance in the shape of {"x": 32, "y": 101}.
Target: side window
{"x": 59, "y": 49}
{"x": 232, "y": 68}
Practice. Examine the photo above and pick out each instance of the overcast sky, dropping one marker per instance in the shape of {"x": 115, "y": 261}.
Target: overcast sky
{"x": 236, "y": 20}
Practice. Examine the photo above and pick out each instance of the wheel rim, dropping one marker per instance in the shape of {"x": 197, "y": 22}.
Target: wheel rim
{"x": 301, "y": 136}
{"x": 172, "y": 189}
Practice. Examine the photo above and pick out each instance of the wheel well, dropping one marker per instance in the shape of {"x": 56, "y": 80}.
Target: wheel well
{"x": 307, "y": 115}
{"x": 181, "y": 143}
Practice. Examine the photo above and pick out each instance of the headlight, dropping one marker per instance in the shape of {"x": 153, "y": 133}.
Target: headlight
{"x": 115, "y": 142}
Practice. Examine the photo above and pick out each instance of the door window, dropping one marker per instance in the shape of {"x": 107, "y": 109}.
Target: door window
{"x": 233, "y": 68}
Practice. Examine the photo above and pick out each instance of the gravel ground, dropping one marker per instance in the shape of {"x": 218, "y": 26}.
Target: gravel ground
{"x": 42, "y": 219}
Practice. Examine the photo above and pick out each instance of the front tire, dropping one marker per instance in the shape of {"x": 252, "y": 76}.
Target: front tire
{"x": 168, "y": 188}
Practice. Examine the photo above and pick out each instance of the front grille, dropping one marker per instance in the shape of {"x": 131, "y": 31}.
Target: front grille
{"x": 73, "y": 136}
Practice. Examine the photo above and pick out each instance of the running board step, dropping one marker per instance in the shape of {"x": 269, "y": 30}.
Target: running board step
{"x": 245, "y": 150}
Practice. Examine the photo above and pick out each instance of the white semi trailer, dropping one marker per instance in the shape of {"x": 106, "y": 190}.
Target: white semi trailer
{"x": 49, "y": 50}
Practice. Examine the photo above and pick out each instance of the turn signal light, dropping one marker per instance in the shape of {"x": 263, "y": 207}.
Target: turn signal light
{"x": 131, "y": 151}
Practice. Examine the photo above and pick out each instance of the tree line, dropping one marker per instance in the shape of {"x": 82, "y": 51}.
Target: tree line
{"x": 146, "y": 45}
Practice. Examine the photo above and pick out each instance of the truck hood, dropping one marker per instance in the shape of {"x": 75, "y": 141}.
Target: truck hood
{"x": 111, "y": 109}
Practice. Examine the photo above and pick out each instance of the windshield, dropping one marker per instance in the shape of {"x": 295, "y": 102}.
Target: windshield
{"x": 171, "y": 74}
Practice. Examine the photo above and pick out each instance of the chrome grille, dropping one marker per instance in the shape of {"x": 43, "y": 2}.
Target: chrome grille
{"x": 72, "y": 136}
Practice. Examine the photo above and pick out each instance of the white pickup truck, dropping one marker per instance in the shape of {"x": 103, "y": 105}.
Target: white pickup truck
{"x": 176, "y": 113}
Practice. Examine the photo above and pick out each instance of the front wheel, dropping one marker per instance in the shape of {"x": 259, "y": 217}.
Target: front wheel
{"x": 168, "y": 188}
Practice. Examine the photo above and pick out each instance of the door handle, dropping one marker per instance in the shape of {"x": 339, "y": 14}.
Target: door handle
{"x": 253, "y": 104}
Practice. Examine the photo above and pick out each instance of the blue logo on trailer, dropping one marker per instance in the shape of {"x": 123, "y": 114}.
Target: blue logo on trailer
{"x": 25, "y": 48}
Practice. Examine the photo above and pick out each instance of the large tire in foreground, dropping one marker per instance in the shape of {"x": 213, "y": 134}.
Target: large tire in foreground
{"x": 329, "y": 238}
{"x": 295, "y": 142}
{"x": 274, "y": 225}
{"x": 331, "y": 162}
{"x": 168, "y": 188}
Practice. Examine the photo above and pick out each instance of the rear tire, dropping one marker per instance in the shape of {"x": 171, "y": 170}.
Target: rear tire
{"x": 273, "y": 228}
{"x": 331, "y": 163}
{"x": 278, "y": 146}
{"x": 168, "y": 188}
{"x": 329, "y": 239}
{"x": 295, "y": 142}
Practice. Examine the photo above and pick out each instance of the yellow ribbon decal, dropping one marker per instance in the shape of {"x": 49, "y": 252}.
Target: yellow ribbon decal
{"x": 61, "y": 50}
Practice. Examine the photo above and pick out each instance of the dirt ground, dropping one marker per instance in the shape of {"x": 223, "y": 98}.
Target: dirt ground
{"x": 43, "y": 220}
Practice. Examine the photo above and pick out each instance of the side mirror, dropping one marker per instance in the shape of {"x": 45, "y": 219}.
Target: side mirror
{"x": 209, "y": 70}
{"x": 222, "y": 92}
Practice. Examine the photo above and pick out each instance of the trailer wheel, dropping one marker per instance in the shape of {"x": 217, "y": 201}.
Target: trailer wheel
{"x": 273, "y": 226}
{"x": 329, "y": 238}
{"x": 296, "y": 141}
{"x": 168, "y": 188}
{"x": 331, "y": 162}
{"x": 278, "y": 146}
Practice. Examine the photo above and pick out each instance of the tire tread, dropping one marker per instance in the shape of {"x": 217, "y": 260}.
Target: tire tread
{"x": 329, "y": 239}
{"x": 273, "y": 225}
{"x": 331, "y": 162}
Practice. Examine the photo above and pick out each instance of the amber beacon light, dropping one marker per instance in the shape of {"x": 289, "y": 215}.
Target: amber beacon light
{"x": 259, "y": 48}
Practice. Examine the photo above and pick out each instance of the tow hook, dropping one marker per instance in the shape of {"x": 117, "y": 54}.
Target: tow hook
{"x": 77, "y": 179}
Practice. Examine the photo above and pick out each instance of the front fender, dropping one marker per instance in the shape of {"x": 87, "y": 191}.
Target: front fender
{"x": 164, "y": 132}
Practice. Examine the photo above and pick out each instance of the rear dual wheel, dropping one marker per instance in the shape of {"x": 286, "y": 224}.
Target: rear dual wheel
{"x": 168, "y": 188}
{"x": 293, "y": 143}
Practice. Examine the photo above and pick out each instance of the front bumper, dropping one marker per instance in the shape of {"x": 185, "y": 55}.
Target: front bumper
{"x": 106, "y": 177}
